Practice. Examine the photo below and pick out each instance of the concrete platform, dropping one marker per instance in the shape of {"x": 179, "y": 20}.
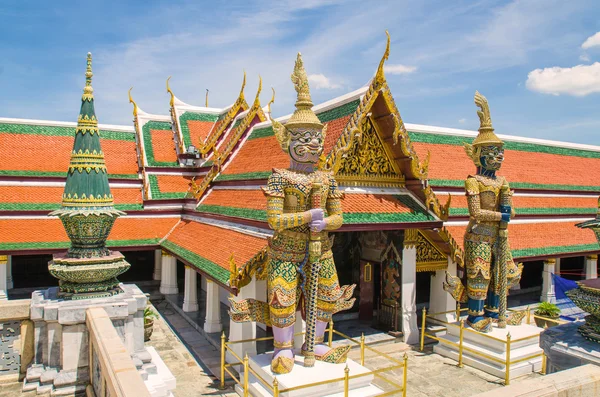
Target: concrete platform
{"x": 495, "y": 348}
{"x": 300, "y": 375}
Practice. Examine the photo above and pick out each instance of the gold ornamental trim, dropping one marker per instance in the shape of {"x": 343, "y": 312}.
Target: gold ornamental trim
{"x": 593, "y": 257}
{"x": 431, "y": 267}
{"x": 550, "y": 261}
{"x": 3, "y": 259}
{"x": 411, "y": 238}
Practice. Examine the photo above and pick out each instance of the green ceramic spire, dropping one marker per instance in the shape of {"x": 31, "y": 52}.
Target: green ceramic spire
{"x": 87, "y": 211}
{"x": 87, "y": 180}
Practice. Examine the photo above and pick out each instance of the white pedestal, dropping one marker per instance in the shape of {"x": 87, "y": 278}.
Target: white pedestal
{"x": 495, "y": 348}
{"x": 300, "y": 375}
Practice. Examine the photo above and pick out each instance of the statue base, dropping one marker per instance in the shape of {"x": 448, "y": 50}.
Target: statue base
{"x": 300, "y": 375}
{"x": 495, "y": 348}
{"x": 566, "y": 348}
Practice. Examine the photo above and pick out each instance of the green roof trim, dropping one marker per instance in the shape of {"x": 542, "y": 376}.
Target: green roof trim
{"x": 147, "y": 132}
{"x": 263, "y": 132}
{"x": 565, "y": 249}
{"x": 243, "y": 176}
{"x": 519, "y": 185}
{"x": 338, "y": 112}
{"x": 536, "y": 211}
{"x": 245, "y": 213}
{"x": 60, "y": 174}
{"x": 37, "y": 245}
{"x": 158, "y": 195}
{"x": 50, "y": 130}
{"x": 201, "y": 263}
{"x": 193, "y": 116}
{"x": 520, "y": 146}
{"x": 55, "y": 206}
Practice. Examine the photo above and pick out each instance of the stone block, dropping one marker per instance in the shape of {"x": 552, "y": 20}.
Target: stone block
{"x": 137, "y": 362}
{"x": 75, "y": 352}
{"x": 51, "y": 313}
{"x": 27, "y": 344}
{"x": 54, "y": 344}
{"x": 48, "y": 376}
{"x": 149, "y": 368}
{"x": 29, "y": 386}
{"x": 34, "y": 373}
{"x": 70, "y": 391}
{"x": 36, "y": 312}
{"x": 144, "y": 356}
{"x": 44, "y": 389}
{"x": 15, "y": 310}
{"x": 143, "y": 374}
{"x": 70, "y": 315}
{"x": 71, "y": 378}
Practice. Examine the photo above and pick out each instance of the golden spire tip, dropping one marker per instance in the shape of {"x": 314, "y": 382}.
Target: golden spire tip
{"x": 135, "y": 107}
{"x": 172, "y": 101}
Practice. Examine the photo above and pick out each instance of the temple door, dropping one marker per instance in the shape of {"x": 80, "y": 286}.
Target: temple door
{"x": 389, "y": 307}
{"x": 365, "y": 304}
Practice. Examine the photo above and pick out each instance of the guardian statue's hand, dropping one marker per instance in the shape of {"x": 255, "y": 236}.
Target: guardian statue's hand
{"x": 317, "y": 226}
{"x": 316, "y": 214}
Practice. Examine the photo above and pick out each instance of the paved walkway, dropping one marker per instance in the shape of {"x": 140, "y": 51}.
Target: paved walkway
{"x": 431, "y": 375}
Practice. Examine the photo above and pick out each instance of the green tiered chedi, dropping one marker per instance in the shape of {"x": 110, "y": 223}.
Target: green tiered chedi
{"x": 88, "y": 269}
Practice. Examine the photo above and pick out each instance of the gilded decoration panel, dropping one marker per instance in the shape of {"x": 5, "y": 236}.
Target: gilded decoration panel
{"x": 367, "y": 162}
{"x": 429, "y": 257}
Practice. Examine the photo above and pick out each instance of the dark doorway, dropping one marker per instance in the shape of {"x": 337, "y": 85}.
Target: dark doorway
{"x": 142, "y": 266}
{"x": 423, "y": 287}
{"x": 31, "y": 271}
{"x": 573, "y": 268}
{"x": 532, "y": 274}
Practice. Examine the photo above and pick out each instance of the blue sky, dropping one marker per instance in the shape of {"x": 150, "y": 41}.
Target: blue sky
{"x": 537, "y": 61}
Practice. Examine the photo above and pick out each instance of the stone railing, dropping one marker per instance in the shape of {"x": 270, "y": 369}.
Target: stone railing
{"x": 16, "y": 337}
{"x": 112, "y": 371}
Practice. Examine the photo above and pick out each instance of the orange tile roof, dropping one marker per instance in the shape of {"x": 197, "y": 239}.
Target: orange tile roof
{"x": 254, "y": 199}
{"x": 19, "y": 233}
{"x": 544, "y": 238}
{"x": 30, "y": 152}
{"x": 163, "y": 146}
{"x": 526, "y": 202}
{"x": 216, "y": 243}
{"x": 173, "y": 183}
{"x": 334, "y": 130}
{"x": 519, "y": 166}
{"x": 199, "y": 130}
{"x": 53, "y": 194}
{"x": 258, "y": 155}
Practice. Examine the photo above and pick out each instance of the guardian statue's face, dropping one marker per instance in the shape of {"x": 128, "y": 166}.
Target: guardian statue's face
{"x": 306, "y": 145}
{"x": 491, "y": 157}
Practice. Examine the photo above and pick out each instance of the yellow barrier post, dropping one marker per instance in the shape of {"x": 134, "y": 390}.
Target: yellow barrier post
{"x": 246, "y": 370}
{"x": 457, "y": 311}
{"x": 507, "y": 375}
{"x": 405, "y": 374}
{"x": 346, "y": 381}
{"x": 460, "y": 344}
{"x": 362, "y": 349}
{"x": 528, "y": 315}
{"x": 423, "y": 329}
{"x": 544, "y": 363}
{"x": 275, "y": 388}
{"x": 222, "y": 360}
{"x": 330, "y": 332}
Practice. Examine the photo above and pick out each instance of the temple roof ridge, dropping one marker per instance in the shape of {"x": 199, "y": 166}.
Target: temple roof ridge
{"x": 53, "y": 123}
{"x": 428, "y": 129}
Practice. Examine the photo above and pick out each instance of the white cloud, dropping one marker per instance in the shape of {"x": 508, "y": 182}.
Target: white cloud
{"x": 584, "y": 57}
{"x": 462, "y": 121}
{"x": 399, "y": 69}
{"x": 320, "y": 81}
{"x": 592, "y": 41}
{"x": 579, "y": 80}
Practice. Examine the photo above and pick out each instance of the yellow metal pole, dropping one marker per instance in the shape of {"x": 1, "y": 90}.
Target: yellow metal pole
{"x": 346, "y": 381}
{"x": 222, "y": 360}
{"x": 528, "y": 315}
{"x": 362, "y": 349}
{"x": 457, "y": 311}
{"x": 507, "y": 376}
{"x": 405, "y": 374}
{"x": 246, "y": 375}
{"x": 423, "y": 329}
{"x": 330, "y": 332}
{"x": 544, "y": 363}
{"x": 460, "y": 344}
{"x": 275, "y": 388}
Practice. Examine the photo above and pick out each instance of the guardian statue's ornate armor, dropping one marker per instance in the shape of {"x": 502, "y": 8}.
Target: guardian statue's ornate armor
{"x": 303, "y": 204}
{"x": 490, "y": 269}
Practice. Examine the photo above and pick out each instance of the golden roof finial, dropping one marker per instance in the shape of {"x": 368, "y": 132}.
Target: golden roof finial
{"x": 88, "y": 91}
{"x": 380, "y": 76}
{"x": 257, "y": 98}
{"x": 172, "y": 102}
{"x": 232, "y": 271}
{"x": 206, "y": 99}
{"x": 243, "y": 86}
{"x": 486, "y": 134}
{"x": 303, "y": 116}
{"x": 135, "y": 107}
{"x": 281, "y": 133}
